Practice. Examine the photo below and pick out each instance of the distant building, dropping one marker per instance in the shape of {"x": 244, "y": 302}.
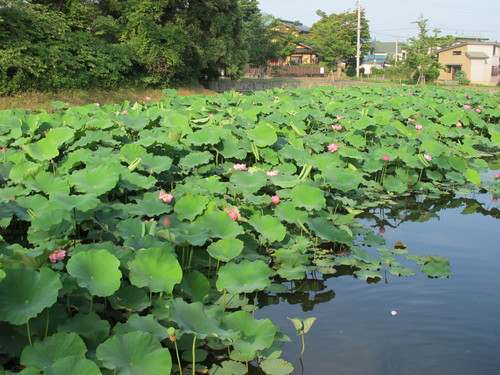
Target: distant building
{"x": 382, "y": 54}
{"x": 303, "y": 53}
{"x": 478, "y": 58}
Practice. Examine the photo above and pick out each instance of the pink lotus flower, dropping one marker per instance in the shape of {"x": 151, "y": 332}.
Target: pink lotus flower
{"x": 125, "y": 112}
{"x": 466, "y": 106}
{"x": 458, "y": 124}
{"x": 97, "y": 104}
{"x": 165, "y": 197}
{"x": 381, "y": 230}
{"x": 4, "y": 150}
{"x": 340, "y": 117}
{"x": 148, "y": 98}
{"x": 337, "y": 127}
{"x": 419, "y": 127}
{"x": 333, "y": 147}
{"x": 385, "y": 158}
{"x": 478, "y": 110}
{"x": 239, "y": 167}
{"x": 275, "y": 199}
{"x": 233, "y": 215}
{"x": 427, "y": 157}
{"x": 411, "y": 119}
{"x": 166, "y": 222}
{"x": 495, "y": 199}
{"x": 496, "y": 175}
{"x": 272, "y": 173}
{"x": 57, "y": 255}
{"x": 211, "y": 115}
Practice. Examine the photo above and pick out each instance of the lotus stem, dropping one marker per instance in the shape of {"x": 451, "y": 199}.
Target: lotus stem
{"x": 47, "y": 323}
{"x": 91, "y": 304}
{"x": 29, "y": 333}
{"x": 178, "y": 358}
{"x": 303, "y": 346}
{"x": 194, "y": 355}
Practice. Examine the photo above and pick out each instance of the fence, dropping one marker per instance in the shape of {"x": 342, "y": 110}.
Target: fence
{"x": 285, "y": 71}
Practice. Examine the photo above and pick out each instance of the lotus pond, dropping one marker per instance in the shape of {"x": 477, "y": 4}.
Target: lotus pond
{"x": 146, "y": 238}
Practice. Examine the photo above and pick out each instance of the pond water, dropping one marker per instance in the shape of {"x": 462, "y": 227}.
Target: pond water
{"x": 442, "y": 326}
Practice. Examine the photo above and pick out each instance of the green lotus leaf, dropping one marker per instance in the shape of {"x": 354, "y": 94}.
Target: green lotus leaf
{"x": 212, "y": 185}
{"x": 143, "y": 324}
{"x": 263, "y": 135}
{"x": 269, "y": 227}
{"x": 276, "y": 366}
{"x": 473, "y": 176}
{"x": 174, "y": 120}
{"x": 343, "y": 179}
{"x": 135, "y": 353}
{"x": 255, "y": 334}
{"x": 436, "y": 266}
{"x": 52, "y": 349}
{"x": 24, "y": 293}
{"x": 245, "y": 182}
{"x": 98, "y": 180}
{"x": 287, "y": 211}
{"x": 50, "y": 184}
{"x": 60, "y": 135}
{"x": 195, "y": 159}
{"x": 155, "y": 268}
{"x": 328, "y": 231}
{"x": 196, "y": 285}
{"x": 195, "y": 233}
{"x": 44, "y": 149}
{"x": 221, "y": 225}
{"x": 193, "y": 318}
{"x": 225, "y": 249}
{"x": 367, "y": 274}
{"x": 131, "y": 152}
{"x": 190, "y": 206}
{"x": 136, "y": 123}
{"x": 244, "y": 277}
{"x": 209, "y": 135}
{"x": 90, "y": 327}
{"x": 393, "y": 183}
{"x": 130, "y": 298}
{"x": 156, "y": 163}
{"x": 400, "y": 271}
{"x": 83, "y": 202}
{"x": 74, "y": 366}
{"x": 96, "y": 270}
{"x": 309, "y": 197}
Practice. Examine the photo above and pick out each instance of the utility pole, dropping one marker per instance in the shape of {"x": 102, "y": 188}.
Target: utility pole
{"x": 396, "y": 57}
{"x": 358, "y": 45}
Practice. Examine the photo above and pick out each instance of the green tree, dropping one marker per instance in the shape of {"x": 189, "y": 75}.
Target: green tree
{"x": 421, "y": 55}
{"x": 334, "y": 37}
{"x": 259, "y": 34}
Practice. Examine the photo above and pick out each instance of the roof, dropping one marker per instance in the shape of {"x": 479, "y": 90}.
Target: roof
{"x": 476, "y": 55}
{"x": 375, "y": 58}
{"x": 296, "y": 24}
{"x": 385, "y": 47}
{"x": 457, "y": 45}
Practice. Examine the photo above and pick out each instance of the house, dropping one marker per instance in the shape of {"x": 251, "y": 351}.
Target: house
{"x": 382, "y": 55}
{"x": 478, "y": 58}
{"x": 374, "y": 61}
{"x": 303, "y": 53}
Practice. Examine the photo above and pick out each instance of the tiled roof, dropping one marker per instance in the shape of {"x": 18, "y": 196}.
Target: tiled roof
{"x": 297, "y": 25}
{"x": 375, "y": 58}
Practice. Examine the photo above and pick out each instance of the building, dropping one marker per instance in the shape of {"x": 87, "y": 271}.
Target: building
{"x": 303, "y": 53}
{"x": 478, "y": 58}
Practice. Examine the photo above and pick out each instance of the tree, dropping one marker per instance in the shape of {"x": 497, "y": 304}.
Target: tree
{"x": 259, "y": 34}
{"x": 421, "y": 55}
{"x": 334, "y": 37}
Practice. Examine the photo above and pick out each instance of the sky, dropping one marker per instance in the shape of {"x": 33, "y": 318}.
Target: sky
{"x": 391, "y": 20}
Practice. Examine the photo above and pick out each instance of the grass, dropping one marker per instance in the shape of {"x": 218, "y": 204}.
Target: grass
{"x": 42, "y": 100}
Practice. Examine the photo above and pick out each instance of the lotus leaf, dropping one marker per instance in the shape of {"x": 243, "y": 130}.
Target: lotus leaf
{"x": 309, "y": 197}
{"x": 196, "y": 286}
{"x": 156, "y": 268}
{"x": 24, "y": 293}
{"x": 225, "y": 249}
{"x": 190, "y": 206}
{"x": 90, "y": 327}
{"x": 193, "y": 318}
{"x": 98, "y": 180}
{"x": 73, "y": 365}
{"x": 263, "y": 135}
{"x": 52, "y": 349}
{"x": 255, "y": 334}
{"x": 269, "y": 227}
{"x": 276, "y": 367}
{"x": 96, "y": 270}
{"x": 135, "y": 353}
{"x": 221, "y": 225}
{"x": 143, "y": 324}
{"x": 244, "y": 277}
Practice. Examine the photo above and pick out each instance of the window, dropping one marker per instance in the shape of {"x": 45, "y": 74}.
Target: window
{"x": 494, "y": 71}
{"x": 457, "y": 52}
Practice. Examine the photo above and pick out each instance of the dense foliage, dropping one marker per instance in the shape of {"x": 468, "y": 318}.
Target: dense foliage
{"x": 48, "y": 45}
{"x": 334, "y": 37}
{"x": 135, "y": 238}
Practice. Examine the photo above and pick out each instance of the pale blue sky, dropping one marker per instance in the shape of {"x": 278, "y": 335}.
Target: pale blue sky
{"x": 392, "y": 19}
